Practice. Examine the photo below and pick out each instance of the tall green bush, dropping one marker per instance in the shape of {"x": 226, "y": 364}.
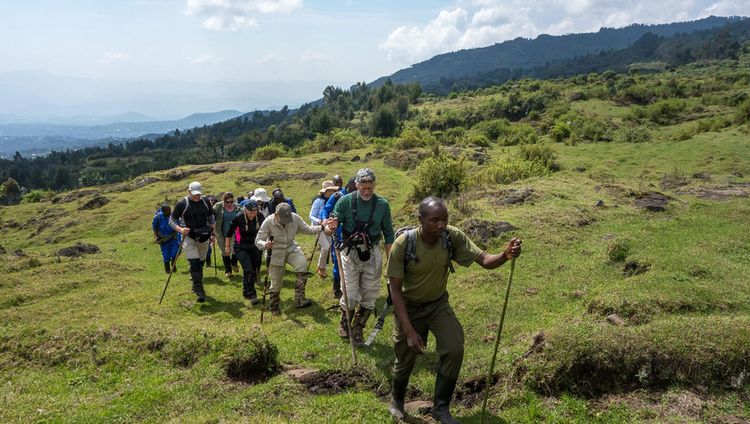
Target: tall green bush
{"x": 270, "y": 152}
{"x": 439, "y": 176}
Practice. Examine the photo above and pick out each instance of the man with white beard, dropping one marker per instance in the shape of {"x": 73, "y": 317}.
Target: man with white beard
{"x": 366, "y": 223}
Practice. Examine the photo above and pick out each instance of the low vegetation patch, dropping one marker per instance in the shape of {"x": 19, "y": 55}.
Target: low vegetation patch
{"x": 593, "y": 359}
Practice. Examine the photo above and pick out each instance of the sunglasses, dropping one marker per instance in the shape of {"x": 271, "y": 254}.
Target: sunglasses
{"x": 229, "y": 201}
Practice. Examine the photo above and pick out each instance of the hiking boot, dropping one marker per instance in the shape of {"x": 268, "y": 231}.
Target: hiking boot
{"x": 275, "y": 301}
{"x": 322, "y": 272}
{"x": 174, "y": 268}
{"x": 358, "y": 324}
{"x": 398, "y": 394}
{"x": 197, "y": 280}
{"x": 444, "y": 387}
{"x": 167, "y": 269}
{"x": 254, "y": 299}
{"x": 235, "y": 268}
{"x": 343, "y": 324}
{"x": 299, "y": 291}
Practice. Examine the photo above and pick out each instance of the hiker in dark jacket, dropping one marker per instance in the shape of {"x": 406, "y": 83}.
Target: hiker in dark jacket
{"x": 167, "y": 238}
{"x": 243, "y": 229}
{"x": 278, "y": 198}
{"x": 193, "y": 218}
{"x": 418, "y": 282}
{"x": 224, "y": 213}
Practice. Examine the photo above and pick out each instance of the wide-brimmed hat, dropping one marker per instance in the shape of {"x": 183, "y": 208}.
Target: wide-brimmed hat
{"x": 328, "y": 186}
{"x": 284, "y": 213}
{"x": 260, "y": 194}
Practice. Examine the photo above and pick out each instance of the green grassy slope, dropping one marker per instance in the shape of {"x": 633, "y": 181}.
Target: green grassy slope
{"x": 84, "y": 339}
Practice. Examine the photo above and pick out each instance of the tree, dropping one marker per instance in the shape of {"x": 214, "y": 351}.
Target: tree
{"x": 384, "y": 122}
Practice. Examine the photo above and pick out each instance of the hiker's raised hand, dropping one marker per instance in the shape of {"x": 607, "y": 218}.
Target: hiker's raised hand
{"x": 513, "y": 248}
{"x": 333, "y": 223}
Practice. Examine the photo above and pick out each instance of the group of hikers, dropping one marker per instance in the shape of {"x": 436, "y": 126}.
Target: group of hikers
{"x": 351, "y": 223}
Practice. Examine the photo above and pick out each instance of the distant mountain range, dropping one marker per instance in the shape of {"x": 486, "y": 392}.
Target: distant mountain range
{"x": 42, "y": 137}
{"x": 522, "y": 53}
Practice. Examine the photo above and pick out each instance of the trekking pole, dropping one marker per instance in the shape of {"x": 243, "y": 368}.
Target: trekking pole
{"x": 171, "y": 271}
{"x": 346, "y": 304}
{"x": 216, "y": 272}
{"x": 265, "y": 283}
{"x": 315, "y": 247}
{"x": 381, "y": 318}
{"x": 497, "y": 341}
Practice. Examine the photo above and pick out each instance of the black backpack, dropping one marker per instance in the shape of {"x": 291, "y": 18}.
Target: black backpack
{"x": 202, "y": 233}
{"x": 410, "y": 253}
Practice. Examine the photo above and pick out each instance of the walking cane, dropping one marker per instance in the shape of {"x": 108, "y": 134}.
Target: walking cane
{"x": 171, "y": 269}
{"x": 216, "y": 272}
{"x": 497, "y": 341}
{"x": 346, "y": 303}
{"x": 315, "y": 247}
{"x": 265, "y": 283}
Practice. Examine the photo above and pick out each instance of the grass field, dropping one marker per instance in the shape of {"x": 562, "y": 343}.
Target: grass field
{"x": 84, "y": 339}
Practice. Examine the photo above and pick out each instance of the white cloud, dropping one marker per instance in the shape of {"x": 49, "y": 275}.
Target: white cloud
{"x": 112, "y": 56}
{"x": 269, "y": 58}
{"x": 476, "y": 23}
{"x": 204, "y": 59}
{"x": 233, "y": 15}
{"x": 312, "y": 56}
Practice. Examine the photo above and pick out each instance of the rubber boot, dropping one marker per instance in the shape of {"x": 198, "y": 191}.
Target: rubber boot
{"x": 275, "y": 301}
{"x": 167, "y": 268}
{"x": 174, "y": 267}
{"x": 398, "y": 394}
{"x": 358, "y": 325}
{"x": 343, "y": 324}
{"x": 444, "y": 388}
{"x": 197, "y": 279}
{"x": 299, "y": 291}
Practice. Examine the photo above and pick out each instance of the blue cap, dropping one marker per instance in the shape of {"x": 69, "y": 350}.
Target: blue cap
{"x": 249, "y": 204}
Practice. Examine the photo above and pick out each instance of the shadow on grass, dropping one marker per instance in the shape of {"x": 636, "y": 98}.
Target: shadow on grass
{"x": 213, "y": 306}
{"x": 476, "y": 418}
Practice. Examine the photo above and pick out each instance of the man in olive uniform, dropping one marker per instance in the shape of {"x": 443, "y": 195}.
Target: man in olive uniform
{"x": 418, "y": 282}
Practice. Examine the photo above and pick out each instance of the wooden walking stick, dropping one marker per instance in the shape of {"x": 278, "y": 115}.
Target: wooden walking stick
{"x": 171, "y": 271}
{"x": 490, "y": 375}
{"x": 346, "y": 303}
{"x": 315, "y": 247}
{"x": 265, "y": 283}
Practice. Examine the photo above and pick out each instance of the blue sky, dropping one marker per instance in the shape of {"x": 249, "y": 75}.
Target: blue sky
{"x": 166, "y": 58}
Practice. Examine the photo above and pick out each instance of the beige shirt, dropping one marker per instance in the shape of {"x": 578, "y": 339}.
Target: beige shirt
{"x": 283, "y": 236}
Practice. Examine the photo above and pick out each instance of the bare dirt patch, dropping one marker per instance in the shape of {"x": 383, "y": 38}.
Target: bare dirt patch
{"x": 483, "y": 231}
{"x": 719, "y": 193}
{"x": 652, "y": 201}
{"x": 269, "y": 179}
{"x": 514, "y": 196}
{"x": 405, "y": 159}
{"x": 78, "y": 249}
{"x": 632, "y": 268}
{"x": 95, "y": 203}
{"x": 335, "y": 381}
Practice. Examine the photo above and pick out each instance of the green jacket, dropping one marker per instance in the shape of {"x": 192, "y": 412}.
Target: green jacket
{"x": 381, "y": 222}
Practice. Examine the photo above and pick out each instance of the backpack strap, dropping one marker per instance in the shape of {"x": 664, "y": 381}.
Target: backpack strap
{"x": 448, "y": 245}
{"x": 410, "y": 254}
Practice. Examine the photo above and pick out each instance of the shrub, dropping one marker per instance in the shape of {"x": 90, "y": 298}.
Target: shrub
{"x": 476, "y": 139}
{"x": 250, "y": 357}
{"x": 540, "y": 153}
{"x": 665, "y": 111}
{"x": 520, "y": 134}
{"x": 36, "y": 196}
{"x": 412, "y": 137}
{"x": 493, "y": 129}
{"x": 338, "y": 140}
{"x": 560, "y": 132}
{"x": 439, "y": 176}
{"x": 269, "y": 152}
{"x": 617, "y": 251}
{"x": 743, "y": 113}
{"x": 632, "y": 135}
{"x": 510, "y": 170}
